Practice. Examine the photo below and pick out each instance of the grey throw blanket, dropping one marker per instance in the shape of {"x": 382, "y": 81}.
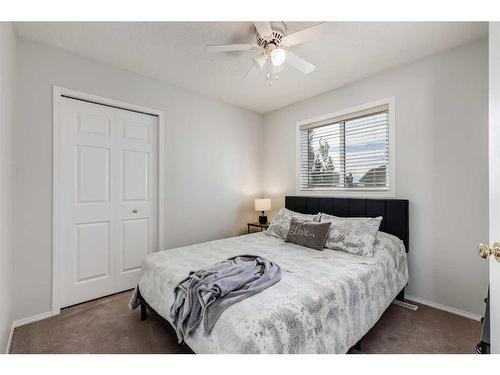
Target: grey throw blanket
{"x": 206, "y": 293}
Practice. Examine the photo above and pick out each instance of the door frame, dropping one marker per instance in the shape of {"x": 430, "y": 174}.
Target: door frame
{"x": 57, "y": 93}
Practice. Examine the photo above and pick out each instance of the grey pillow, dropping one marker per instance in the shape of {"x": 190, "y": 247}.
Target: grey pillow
{"x": 281, "y": 223}
{"x": 354, "y": 235}
{"x": 308, "y": 233}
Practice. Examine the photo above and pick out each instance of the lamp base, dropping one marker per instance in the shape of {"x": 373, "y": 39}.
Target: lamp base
{"x": 262, "y": 219}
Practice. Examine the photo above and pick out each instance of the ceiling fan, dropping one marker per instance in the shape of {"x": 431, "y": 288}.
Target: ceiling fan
{"x": 271, "y": 38}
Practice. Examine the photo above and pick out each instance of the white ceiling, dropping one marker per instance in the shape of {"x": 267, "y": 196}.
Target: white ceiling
{"x": 174, "y": 52}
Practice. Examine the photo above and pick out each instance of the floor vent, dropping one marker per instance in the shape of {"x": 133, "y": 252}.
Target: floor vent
{"x": 406, "y": 305}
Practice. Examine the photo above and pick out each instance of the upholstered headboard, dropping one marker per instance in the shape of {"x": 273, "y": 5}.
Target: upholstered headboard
{"x": 393, "y": 211}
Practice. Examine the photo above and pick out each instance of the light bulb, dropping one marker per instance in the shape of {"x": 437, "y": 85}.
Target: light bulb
{"x": 278, "y": 56}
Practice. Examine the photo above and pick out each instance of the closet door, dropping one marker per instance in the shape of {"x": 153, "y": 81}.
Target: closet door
{"x": 108, "y": 198}
{"x": 136, "y": 213}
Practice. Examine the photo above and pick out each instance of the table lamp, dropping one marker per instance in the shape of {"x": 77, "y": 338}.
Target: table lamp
{"x": 263, "y": 204}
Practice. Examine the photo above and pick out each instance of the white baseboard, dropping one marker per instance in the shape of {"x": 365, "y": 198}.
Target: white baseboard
{"x": 31, "y": 319}
{"x": 21, "y": 322}
{"x": 439, "y": 306}
{"x": 9, "y": 341}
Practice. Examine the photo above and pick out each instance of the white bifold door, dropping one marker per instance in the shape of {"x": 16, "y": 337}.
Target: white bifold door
{"x": 108, "y": 198}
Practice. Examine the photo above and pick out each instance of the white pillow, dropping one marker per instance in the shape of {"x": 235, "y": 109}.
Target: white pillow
{"x": 354, "y": 235}
{"x": 281, "y": 223}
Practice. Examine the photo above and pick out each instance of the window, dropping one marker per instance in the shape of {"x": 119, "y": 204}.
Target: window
{"x": 347, "y": 151}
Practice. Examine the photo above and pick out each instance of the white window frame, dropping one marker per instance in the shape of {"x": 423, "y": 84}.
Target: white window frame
{"x": 345, "y": 192}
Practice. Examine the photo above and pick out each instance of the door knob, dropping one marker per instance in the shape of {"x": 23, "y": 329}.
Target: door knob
{"x": 135, "y": 210}
{"x": 485, "y": 251}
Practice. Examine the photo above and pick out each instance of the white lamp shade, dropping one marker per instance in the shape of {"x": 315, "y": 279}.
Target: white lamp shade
{"x": 263, "y": 204}
{"x": 278, "y": 56}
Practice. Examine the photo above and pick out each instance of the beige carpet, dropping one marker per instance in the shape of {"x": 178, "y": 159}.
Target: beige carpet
{"x": 107, "y": 325}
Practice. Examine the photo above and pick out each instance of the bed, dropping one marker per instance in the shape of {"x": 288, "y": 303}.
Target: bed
{"x": 325, "y": 302}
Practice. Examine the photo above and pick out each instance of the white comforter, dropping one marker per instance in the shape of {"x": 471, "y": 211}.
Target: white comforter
{"x": 325, "y": 302}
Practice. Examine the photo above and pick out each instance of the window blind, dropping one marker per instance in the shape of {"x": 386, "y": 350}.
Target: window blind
{"x": 350, "y": 152}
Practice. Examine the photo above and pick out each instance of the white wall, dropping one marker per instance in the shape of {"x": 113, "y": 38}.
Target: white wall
{"x": 442, "y": 164}
{"x": 213, "y": 160}
{"x": 7, "y": 69}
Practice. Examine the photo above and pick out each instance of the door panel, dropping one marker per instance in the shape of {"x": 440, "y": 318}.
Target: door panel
{"x": 92, "y": 173}
{"x": 108, "y": 198}
{"x": 136, "y": 131}
{"x": 92, "y": 243}
{"x": 94, "y": 124}
{"x": 135, "y": 236}
{"x": 135, "y": 175}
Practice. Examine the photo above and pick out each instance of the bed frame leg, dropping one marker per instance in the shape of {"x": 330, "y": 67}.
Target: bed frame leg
{"x": 144, "y": 312}
{"x": 358, "y": 346}
{"x": 401, "y": 296}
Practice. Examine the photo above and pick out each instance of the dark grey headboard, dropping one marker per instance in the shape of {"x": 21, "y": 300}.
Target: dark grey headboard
{"x": 393, "y": 211}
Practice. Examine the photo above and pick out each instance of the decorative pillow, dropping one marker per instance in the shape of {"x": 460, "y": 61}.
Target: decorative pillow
{"x": 281, "y": 223}
{"x": 308, "y": 233}
{"x": 355, "y": 235}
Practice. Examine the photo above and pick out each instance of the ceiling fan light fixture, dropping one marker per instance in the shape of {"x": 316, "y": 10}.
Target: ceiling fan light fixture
{"x": 270, "y": 36}
{"x": 278, "y": 56}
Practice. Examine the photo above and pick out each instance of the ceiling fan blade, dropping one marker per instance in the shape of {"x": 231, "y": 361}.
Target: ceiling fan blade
{"x": 229, "y": 47}
{"x": 258, "y": 63}
{"x": 299, "y": 63}
{"x": 263, "y": 28}
{"x": 301, "y": 36}
{"x": 260, "y": 60}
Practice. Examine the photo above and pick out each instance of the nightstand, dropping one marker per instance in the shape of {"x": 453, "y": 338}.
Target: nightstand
{"x": 256, "y": 224}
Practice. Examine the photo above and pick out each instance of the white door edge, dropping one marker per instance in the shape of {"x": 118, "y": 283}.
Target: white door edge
{"x": 494, "y": 182}
{"x": 57, "y": 93}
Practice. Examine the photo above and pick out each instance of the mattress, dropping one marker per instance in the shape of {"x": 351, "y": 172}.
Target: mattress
{"x": 325, "y": 302}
